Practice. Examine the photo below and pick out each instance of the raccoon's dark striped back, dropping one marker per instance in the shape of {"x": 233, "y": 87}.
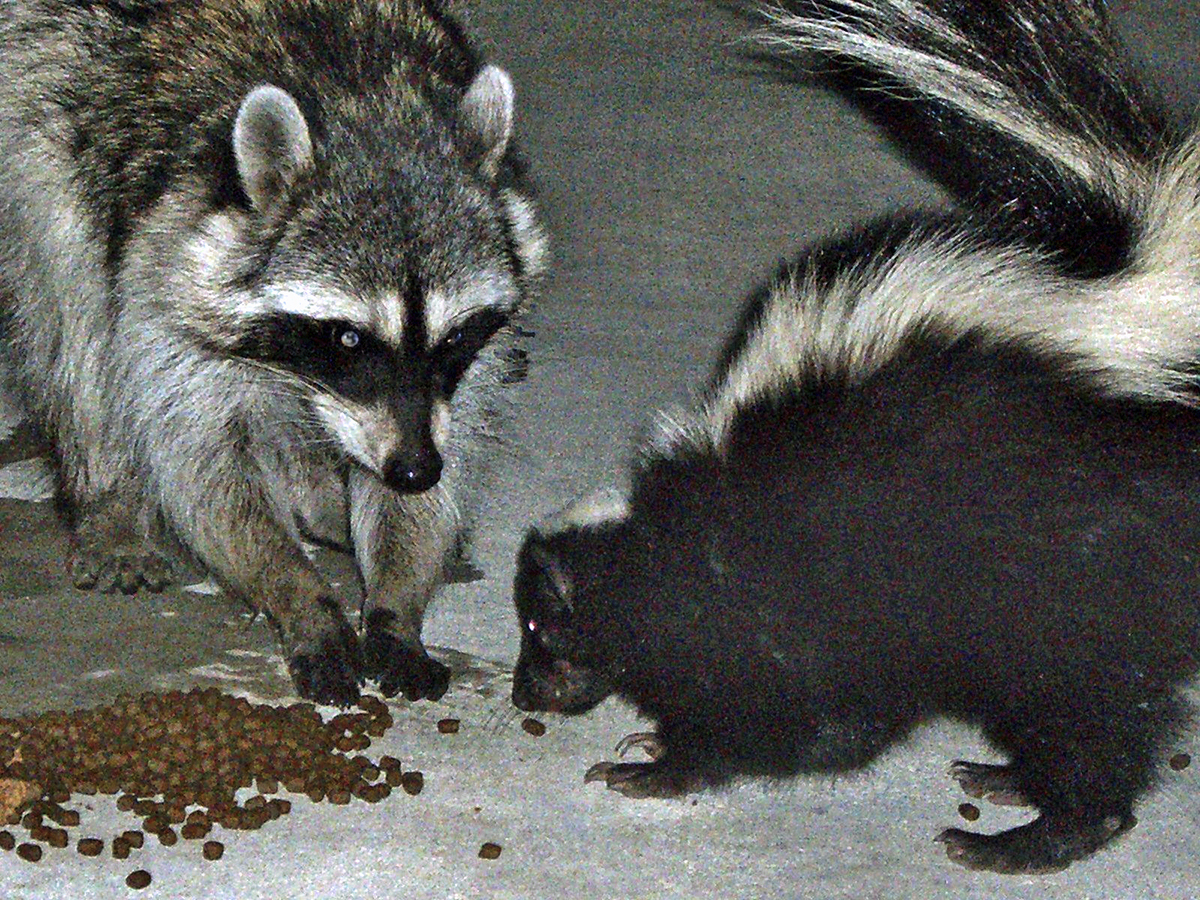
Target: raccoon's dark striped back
{"x": 1025, "y": 111}
{"x": 165, "y": 78}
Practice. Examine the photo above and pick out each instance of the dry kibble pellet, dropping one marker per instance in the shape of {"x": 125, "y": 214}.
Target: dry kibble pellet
{"x": 29, "y": 852}
{"x": 134, "y": 839}
{"x": 533, "y": 726}
{"x": 120, "y": 848}
{"x": 968, "y": 811}
{"x": 138, "y": 879}
{"x": 412, "y": 782}
{"x": 1180, "y": 761}
{"x": 7, "y": 841}
{"x": 90, "y": 846}
{"x": 489, "y": 851}
{"x": 213, "y": 850}
{"x": 448, "y": 726}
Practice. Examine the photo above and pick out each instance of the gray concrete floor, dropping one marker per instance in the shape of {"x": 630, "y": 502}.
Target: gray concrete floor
{"x": 672, "y": 180}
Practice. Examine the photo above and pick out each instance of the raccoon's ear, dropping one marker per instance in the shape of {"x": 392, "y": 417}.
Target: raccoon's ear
{"x": 271, "y": 144}
{"x": 486, "y": 117}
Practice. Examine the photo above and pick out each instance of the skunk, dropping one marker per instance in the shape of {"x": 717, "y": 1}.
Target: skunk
{"x": 947, "y": 464}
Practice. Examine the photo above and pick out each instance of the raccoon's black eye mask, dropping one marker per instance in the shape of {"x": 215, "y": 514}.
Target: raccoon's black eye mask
{"x": 453, "y": 354}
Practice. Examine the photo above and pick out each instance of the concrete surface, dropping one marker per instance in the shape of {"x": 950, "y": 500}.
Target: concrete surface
{"x": 672, "y": 180}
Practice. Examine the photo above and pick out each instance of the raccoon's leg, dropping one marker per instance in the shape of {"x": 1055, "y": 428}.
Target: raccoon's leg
{"x": 226, "y": 519}
{"x": 111, "y": 549}
{"x": 402, "y": 543}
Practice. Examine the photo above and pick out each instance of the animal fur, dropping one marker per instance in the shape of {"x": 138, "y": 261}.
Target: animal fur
{"x": 260, "y": 265}
{"x": 946, "y": 465}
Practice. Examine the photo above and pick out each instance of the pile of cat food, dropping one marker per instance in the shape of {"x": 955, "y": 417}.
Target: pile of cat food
{"x": 179, "y": 762}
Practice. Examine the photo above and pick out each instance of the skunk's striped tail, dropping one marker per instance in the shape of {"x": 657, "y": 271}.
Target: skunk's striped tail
{"x": 1023, "y": 109}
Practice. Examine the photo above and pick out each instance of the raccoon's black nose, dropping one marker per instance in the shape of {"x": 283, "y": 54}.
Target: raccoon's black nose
{"x": 413, "y": 474}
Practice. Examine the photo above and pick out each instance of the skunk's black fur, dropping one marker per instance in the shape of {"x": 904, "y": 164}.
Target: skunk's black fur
{"x": 939, "y": 470}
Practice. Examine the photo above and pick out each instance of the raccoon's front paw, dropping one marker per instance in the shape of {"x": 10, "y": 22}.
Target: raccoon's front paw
{"x": 399, "y": 667}
{"x": 124, "y": 570}
{"x": 325, "y": 670}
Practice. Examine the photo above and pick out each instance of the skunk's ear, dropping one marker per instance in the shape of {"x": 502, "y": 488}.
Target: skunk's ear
{"x": 485, "y": 116}
{"x": 271, "y": 145}
{"x": 551, "y": 580}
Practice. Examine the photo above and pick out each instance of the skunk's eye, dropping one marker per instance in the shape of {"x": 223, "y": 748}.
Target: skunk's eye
{"x": 533, "y": 625}
{"x": 348, "y": 338}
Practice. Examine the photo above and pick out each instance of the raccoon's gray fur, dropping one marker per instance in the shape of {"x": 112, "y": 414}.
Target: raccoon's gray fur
{"x": 260, "y": 262}
{"x": 946, "y": 466}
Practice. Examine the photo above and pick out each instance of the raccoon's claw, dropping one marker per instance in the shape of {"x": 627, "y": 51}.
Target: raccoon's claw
{"x": 398, "y": 667}
{"x": 329, "y": 673}
{"x": 1047, "y": 844}
{"x": 650, "y": 780}
{"x": 995, "y": 784}
{"x": 124, "y": 572}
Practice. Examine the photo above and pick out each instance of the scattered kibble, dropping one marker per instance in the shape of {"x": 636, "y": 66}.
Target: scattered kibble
{"x": 1180, "y": 761}
{"x": 412, "y": 782}
{"x": 90, "y": 847}
{"x": 968, "y": 811}
{"x": 138, "y": 879}
{"x": 7, "y": 841}
{"x": 213, "y": 850}
{"x": 533, "y": 726}
{"x": 448, "y": 726}
{"x": 489, "y": 851}
{"x": 29, "y": 852}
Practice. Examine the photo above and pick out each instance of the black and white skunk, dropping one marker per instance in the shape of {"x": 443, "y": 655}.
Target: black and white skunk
{"x": 947, "y": 465}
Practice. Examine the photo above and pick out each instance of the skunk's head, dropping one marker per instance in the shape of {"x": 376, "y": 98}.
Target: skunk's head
{"x": 564, "y": 611}
{"x": 372, "y": 257}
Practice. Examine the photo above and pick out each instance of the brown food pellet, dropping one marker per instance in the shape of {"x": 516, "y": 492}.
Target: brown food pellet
{"x": 448, "y": 726}
{"x": 394, "y": 777}
{"x": 193, "y": 831}
{"x": 388, "y": 763}
{"x": 1180, "y": 761}
{"x": 120, "y": 848}
{"x": 213, "y": 850}
{"x": 168, "y": 838}
{"x": 968, "y": 811}
{"x": 533, "y": 726}
{"x": 138, "y": 879}
{"x": 489, "y": 851}
{"x": 134, "y": 839}
{"x": 29, "y": 852}
{"x": 7, "y": 841}
{"x": 57, "y": 838}
{"x": 90, "y": 847}
{"x": 412, "y": 782}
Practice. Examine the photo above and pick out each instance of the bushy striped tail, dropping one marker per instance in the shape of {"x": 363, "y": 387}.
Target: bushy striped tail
{"x": 1023, "y": 109}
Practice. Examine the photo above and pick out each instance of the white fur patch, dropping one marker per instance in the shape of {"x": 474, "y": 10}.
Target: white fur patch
{"x": 603, "y": 507}
{"x": 367, "y": 434}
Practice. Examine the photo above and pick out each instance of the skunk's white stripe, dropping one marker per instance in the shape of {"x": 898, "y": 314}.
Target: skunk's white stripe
{"x": 873, "y": 33}
{"x": 1129, "y": 332}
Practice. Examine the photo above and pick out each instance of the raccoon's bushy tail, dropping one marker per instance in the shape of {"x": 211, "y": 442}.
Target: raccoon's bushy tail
{"x": 1023, "y": 109}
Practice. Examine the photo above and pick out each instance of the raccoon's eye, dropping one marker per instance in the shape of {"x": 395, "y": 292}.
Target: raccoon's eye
{"x": 348, "y": 338}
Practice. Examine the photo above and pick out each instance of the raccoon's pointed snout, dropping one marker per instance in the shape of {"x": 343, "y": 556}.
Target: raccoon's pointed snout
{"x": 412, "y": 473}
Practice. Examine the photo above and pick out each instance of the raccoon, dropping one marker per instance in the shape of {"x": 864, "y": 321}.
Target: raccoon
{"x": 261, "y": 265}
{"x": 945, "y": 465}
